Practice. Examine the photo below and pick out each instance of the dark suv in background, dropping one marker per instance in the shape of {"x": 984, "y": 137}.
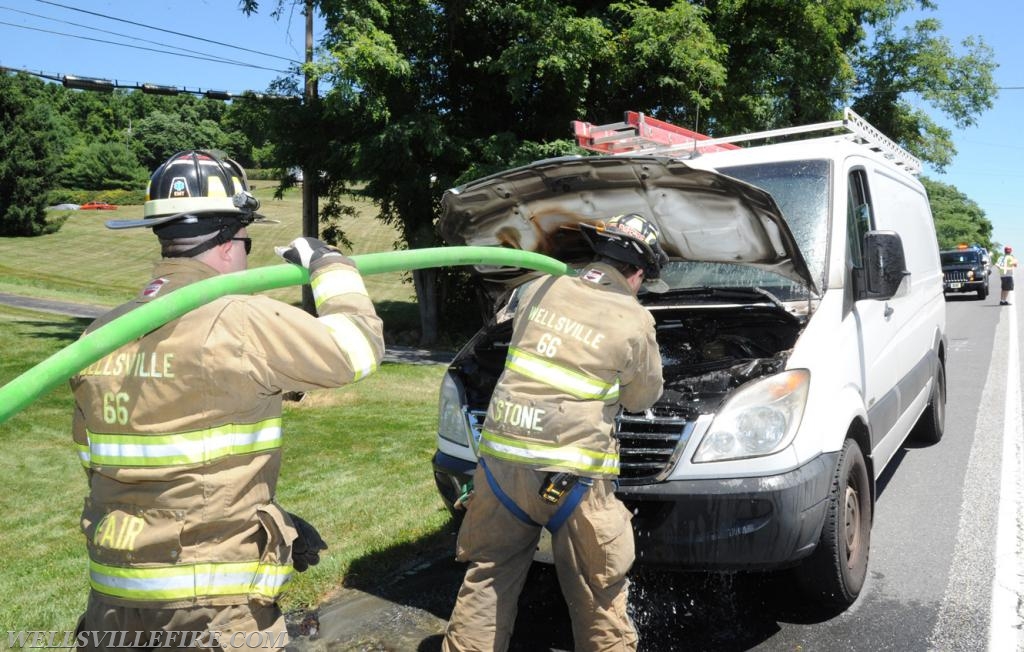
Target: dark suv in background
{"x": 964, "y": 270}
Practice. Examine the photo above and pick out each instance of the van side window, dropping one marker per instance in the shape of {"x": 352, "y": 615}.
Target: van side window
{"x": 858, "y": 218}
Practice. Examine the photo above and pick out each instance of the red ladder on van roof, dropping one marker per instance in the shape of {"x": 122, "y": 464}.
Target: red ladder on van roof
{"x": 640, "y": 134}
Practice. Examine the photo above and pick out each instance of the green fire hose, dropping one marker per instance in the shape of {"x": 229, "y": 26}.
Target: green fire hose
{"x": 46, "y": 375}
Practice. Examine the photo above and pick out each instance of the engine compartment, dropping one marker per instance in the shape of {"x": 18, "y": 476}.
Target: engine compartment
{"x": 705, "y": 353}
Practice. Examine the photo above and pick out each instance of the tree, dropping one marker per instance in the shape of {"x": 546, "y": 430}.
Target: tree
{"x": 29, "y": 163}
{"x": 159, "y": 135}
{"x": 103, "y": 166}
{"x": 958, "y": 219}
{"x": 422, "y": 92}
{"x": 922, "y": 64}
{"x": 789, "y": 61}
{"x": 794, "y": 62}
{"x": 422, "y": 95}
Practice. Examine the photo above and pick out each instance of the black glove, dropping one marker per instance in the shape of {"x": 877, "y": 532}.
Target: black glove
{"x": 308, "y": 251}
{"x": 306, "y": 548}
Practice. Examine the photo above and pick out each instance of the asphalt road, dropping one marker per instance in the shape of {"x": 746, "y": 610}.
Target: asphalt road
{"x": 933, "y": 553}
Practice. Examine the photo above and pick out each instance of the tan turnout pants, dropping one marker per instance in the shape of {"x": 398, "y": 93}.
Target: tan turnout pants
{"x": 238, "y": 627}
{"x": 593, "y": 551}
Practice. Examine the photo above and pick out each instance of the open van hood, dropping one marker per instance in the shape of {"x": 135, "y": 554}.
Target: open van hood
{"x": 703, "y": 215}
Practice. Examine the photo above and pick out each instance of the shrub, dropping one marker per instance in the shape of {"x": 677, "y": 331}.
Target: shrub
{"x": 263, "y": 174}
{"x": 79, "y": 196}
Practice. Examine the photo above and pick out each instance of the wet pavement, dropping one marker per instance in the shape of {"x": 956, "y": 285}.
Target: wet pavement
{"x": 673, "y": 612}
{"x": 408, "y": 611}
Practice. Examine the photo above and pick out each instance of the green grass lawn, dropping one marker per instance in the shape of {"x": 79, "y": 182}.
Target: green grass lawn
{"x": 356, "y": 465}
{"x": 356, "y": 459}
{"x": 88, "y": 263}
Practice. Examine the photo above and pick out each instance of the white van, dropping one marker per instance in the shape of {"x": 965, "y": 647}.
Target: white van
{"x": 802, "y": 336}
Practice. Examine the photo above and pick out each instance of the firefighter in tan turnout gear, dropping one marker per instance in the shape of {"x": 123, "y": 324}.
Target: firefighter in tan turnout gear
{"x": 581, "y": 347}
{"x": 180, "y": 431}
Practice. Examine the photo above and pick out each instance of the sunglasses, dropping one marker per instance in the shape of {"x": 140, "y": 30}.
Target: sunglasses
{"x": 248, "y": 244}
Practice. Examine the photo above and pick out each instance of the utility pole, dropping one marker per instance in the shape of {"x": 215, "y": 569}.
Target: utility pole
{"x": 310, "y": 177}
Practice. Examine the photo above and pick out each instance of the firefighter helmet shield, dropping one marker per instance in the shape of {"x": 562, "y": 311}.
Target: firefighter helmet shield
{"x": 630, "y": 239}
{"x": 194, "y": 185}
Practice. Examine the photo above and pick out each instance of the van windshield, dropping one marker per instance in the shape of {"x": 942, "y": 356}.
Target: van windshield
{"x": 800, "y": 188}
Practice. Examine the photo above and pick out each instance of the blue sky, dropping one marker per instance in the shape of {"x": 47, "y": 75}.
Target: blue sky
{"x": 989, "y": 164}
{"x": 115, "y": 40}
{"x": 35, "y": 35}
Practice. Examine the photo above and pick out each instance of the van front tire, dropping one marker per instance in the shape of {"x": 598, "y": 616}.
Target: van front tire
{"x": 835, "y": 571}
{"x": 930, "y": 428}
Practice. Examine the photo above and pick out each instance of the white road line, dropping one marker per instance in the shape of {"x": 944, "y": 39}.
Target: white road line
{"x": 1005, "y": 623}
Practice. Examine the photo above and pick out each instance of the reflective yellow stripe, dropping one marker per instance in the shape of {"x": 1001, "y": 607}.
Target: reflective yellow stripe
{"x": 571, "y": 382}
{"x": 336, "y": 281}
{"x": 196, "y": 447}
{"x": 573, "y": 457}
{"x": 190, "y": 581}
{"x": 353, "y": 343}
{"x": 83, "y": 454}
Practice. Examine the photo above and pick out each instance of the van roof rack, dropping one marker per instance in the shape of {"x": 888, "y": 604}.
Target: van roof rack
{"x": 640, "y": 134}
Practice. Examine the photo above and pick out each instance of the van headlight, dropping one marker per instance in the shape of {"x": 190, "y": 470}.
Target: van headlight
{"x": 760, "y": 419}
{"x": 452, "y": 423}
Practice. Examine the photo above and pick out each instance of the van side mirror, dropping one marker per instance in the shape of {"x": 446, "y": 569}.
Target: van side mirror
{"x": 885, "y": 265}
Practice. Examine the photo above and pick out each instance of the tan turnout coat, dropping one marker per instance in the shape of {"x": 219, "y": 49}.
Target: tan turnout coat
{"x": 180, "y": 434}
{"x": 581, "y": 347}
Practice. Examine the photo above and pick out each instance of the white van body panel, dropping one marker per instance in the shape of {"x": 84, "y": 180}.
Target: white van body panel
{"x": 878, "y": 350}
{"x": 829, "y": 347}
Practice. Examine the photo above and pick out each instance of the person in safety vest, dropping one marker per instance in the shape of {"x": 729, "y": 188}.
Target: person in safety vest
{"x": 180, "y": 430}
{"x": 1007, "y": 263}
{"x": 581, "y": 347}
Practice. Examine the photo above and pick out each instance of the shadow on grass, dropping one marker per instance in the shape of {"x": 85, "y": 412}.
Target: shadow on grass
{"x": 404, "y": 315}
{"x": 62, "y": 330}
{"x": 422, "y": 574}
{"x": 402, "y": 326}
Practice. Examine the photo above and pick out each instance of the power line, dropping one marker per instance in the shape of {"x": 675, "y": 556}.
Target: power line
{"x": 127, "y": 36}
{"x": 103, "y": 85}
{"x": 168, "y": 31}
{"x": 139, "y": 47}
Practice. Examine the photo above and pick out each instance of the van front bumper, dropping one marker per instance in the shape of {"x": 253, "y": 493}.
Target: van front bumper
{"x": 712, "y": 524}
{"x": 731, "y": 524}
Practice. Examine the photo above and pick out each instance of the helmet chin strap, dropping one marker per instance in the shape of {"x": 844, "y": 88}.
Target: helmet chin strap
{"x": 225, "y": 234}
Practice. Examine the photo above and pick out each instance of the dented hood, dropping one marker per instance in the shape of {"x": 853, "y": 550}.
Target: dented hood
{"x": 703, "y": 215}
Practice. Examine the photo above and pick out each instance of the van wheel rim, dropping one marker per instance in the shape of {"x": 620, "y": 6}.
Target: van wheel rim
{"x": 852, "y": 523}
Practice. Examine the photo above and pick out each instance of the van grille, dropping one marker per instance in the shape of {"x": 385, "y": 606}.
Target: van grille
{"x": 647, "y": 441}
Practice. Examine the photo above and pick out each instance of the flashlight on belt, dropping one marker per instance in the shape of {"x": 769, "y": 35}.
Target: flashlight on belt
{"x": 556, "y": 485}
